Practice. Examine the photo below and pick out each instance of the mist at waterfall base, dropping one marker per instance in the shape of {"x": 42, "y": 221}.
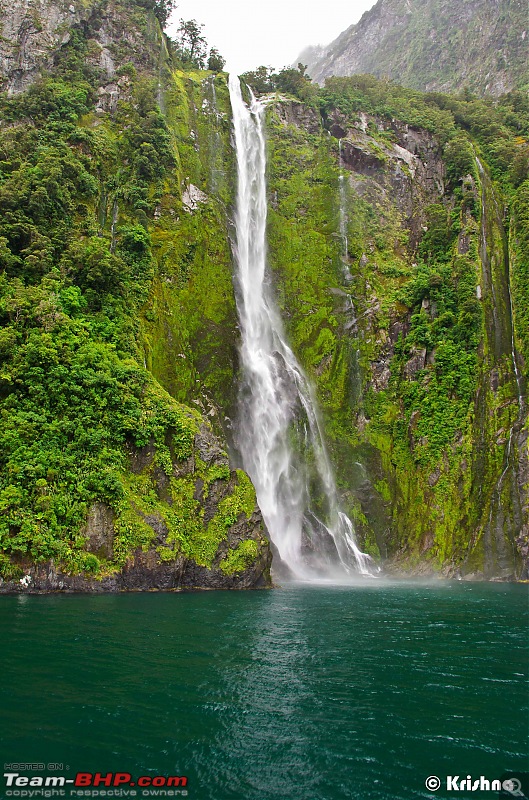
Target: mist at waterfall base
{"x": 279, "y": 433}
{"x": 299, "y": 693}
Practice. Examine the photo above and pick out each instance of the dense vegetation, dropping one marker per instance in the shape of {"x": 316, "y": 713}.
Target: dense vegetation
{"x": 97, "y": 253}
{"x": 418, "y": 431}
{"x": 118, "y": 326}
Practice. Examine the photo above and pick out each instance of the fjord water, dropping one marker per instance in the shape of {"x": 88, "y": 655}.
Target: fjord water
{"x": 300, "y": 693}
{"x": 278, "y": 431}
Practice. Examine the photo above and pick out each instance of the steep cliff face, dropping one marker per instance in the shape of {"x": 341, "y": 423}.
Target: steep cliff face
{"x": 398, "y": 244}
{"x": 437, "y": 45}
{"x": 403, "y": 316}
{"x": 117, "y": 312}
{"x": 34, "y": 33}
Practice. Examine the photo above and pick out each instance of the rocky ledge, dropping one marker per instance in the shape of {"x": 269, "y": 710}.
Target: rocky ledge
{"x": 222, "y": 544}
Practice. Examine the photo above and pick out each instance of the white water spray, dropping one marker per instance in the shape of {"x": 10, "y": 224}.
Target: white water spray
{"x": 279, "y": 432}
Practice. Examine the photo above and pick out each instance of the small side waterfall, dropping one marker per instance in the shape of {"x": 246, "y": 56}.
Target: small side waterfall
{"x": 279, "y": 432}
{"x": 343, "y": 209}
{"x": 343, "y": 217}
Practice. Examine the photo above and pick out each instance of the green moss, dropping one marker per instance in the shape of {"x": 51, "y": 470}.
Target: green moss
{"x": 519, "y": 248}
{"x": 240, "y": 558}
{"x": 422, "y": 423}
{"x": 8, "y": 570}
{"x": 121, "y": 277}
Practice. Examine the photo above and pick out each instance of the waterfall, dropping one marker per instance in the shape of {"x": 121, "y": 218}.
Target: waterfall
{"x": 343, "y": 210}
{"x": 279, "y": 431}
{"x": 343, "y": 216}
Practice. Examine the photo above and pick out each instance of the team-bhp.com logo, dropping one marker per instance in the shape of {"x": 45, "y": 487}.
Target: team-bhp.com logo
{"x": 18, "y": 785}
{"x": 515, "y": 784}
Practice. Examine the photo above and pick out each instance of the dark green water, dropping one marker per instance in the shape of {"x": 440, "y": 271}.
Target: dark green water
{"x": 301, "y": 693}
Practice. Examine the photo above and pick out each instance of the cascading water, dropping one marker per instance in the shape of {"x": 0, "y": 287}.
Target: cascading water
{"x": 343, "y": 216}
{"x": 279, "y": 432}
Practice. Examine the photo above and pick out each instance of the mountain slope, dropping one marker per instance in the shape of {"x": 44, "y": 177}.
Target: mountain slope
{"x": 433, "y": 45}
{"x": 115, "y": 291}
{"x": 395, "y": 268}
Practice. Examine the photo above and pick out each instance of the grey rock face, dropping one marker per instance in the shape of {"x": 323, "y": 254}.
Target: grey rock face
{"x": 415, "y": 363}
{"x": 33, "y": 31}
{"x": 99, "y": 530}
{"x": 299, "y": 115}
{"x": 430, "y": 45}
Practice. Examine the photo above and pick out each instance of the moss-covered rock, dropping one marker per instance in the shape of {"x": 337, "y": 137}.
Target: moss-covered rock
{"x": 118, "y": 314}
{"x": 392, "y": 265}
{"x": 406, "y": 332}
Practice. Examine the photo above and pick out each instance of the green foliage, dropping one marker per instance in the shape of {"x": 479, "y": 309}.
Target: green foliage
{"x": 191, "y": 45}
{"x": 422, "y": 421}
{"x": 69, "y": 407}
{"x": 162, "y": 9}
{"x": 296, "y": 82}
{"x": 292, "y": 81}
{"x": 500, "y": 127}
{"x": 366, "y": 93}
{"x": 520, "y": 266}
{"x": 459, "y": 158}
{"x": 187, "y": 533}
{"x": 437, "y": 241}
{"x": 92, "y": 266}
{"x": 240, "y": 558}
{"x": 50, "y": 102}
{"x": 93, "y": 231}
{"x": 215, "y": 61}
{"x": 110, "y": 282}
{"x": 261, "y": 80}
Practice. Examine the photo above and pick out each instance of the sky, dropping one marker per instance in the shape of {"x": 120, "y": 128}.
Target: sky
{"x": 269, "y": 32}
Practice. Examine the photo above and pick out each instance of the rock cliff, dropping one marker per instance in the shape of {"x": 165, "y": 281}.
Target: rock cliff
{"x": 395, "y": 280}
{"x": 398, "y": 247}
{"x": 433, "y": 45}
{"x": 117, "y": 312}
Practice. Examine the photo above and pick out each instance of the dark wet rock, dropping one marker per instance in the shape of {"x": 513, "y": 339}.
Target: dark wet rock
{"x": 145, "y": 571}
{"x": 433, "y": 477}
{"x": 415, "y": 363}
{"x": 209, "y": 449}
{"x": 380, "y": 374}
{"x": 359, "y": 157}
{"x": 99, "y": 530}
{"x": 299, "y": 115}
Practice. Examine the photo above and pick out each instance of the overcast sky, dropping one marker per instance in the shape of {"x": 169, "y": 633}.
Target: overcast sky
{"x": 270, "y": 32}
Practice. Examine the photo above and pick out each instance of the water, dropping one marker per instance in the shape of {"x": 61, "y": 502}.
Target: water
{"x": 342, "y": 182}
{"x": 301, "y": 693}
{"x": 279, "y": 431}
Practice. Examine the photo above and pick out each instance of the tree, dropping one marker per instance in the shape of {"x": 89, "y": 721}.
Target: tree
{"x": 191, "y": 44}
{"x": 295, "y": 81}
{"x": 261, "y": 80}
{"x": 161, "y": 8}
{"x": 215, "y": 61}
